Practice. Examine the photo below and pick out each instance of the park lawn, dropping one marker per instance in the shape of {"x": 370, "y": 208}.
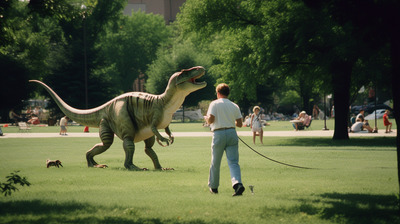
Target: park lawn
{"x": 316, "y": 125}
{"x": 353, "y": 181}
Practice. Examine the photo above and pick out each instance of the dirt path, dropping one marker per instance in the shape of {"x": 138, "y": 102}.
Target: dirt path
{"x": 207, "y": 134}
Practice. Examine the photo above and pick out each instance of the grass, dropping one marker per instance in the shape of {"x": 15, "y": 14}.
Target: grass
{"x": 354, "y": 182}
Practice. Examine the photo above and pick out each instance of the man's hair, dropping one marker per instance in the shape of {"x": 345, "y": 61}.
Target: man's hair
{"x": 223, "y": 89}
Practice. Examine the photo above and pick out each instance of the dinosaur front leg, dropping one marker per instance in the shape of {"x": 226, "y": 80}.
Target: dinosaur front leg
{"x": 152, "y": 154}
{"x": 160, "y": 138}
{"x": 129, "y": 148}
{"x": 107, "y": 138}
{"x": 171, "y": 137}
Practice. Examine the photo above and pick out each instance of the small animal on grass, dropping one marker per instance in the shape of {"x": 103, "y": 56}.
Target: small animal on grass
{"x": 135, "y": 117}
{"x": 56, "y": 163}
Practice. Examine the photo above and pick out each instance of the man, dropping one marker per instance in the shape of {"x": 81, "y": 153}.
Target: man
{"x": 360, "y": 116}
{"x": 14, "y": 117}
{"x": 359, "y": 126}
{"x": 222, "y": 116}
{"x": 305, "y": 121}
{"x": 63, "y": 125}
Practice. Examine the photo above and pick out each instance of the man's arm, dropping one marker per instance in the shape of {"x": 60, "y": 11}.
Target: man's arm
{"x": 239, "y": 122}
{"x": 209, "y": 119}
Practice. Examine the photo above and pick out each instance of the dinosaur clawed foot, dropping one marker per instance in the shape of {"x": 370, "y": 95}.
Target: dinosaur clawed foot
{"x": 100, "y": 166}
{"x": 167, "y": 141}
{"x": 135, "y": 168}
{"x": 167, "y": 168}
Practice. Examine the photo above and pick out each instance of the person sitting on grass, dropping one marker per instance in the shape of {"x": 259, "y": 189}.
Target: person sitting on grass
{"x": 359, "y": 126}
{"x": 303, "y": 120}
{"x": 34, "y": 120}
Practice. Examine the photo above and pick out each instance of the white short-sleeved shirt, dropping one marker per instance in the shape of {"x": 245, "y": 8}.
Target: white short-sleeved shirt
{"x": 356, "y": 127}
{"x": 225, "y": 112}
{"x": 63, "y": 121}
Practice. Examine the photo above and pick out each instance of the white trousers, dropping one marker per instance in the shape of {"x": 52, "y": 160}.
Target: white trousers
{"x": 224, "y": 140}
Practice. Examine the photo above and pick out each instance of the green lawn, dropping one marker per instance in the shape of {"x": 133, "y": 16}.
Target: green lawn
{"x": 354, "y": 181}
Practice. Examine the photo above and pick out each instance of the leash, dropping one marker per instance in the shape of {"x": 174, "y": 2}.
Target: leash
{"x": 286, "y": 164}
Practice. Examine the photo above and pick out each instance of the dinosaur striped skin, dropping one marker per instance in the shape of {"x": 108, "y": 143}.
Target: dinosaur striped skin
{"x": 135, "y": 116}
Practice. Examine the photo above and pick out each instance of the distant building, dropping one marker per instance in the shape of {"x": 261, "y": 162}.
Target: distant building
{"x": 167, "y": 8}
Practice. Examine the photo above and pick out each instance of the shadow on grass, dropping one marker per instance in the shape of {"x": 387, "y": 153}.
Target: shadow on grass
{"x": 353, "y": 208}
{"x": 38, "y": 211}
{"x": 362, "y": 208}
{"x": 369, "y": 142}
{"x": 342, "y": 208}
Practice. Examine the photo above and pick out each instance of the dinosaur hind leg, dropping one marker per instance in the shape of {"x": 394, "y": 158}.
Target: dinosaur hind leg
{"x": 152, "y": 154}
{"x": 129, "y": 148}
{"x": 107, "y": 138}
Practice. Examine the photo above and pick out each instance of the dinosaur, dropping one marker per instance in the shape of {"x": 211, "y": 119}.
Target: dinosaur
{"x": 134, "y": 117}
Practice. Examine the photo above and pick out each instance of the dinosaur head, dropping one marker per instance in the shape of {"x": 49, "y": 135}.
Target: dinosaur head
{"x": 185, "y": 80}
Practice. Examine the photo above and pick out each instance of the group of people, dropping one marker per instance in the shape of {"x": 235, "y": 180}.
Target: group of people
{"x": 31, "y": 116}
{"x": 360, "y": 124}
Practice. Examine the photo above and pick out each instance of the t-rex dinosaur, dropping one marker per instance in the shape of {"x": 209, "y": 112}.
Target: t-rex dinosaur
{"x": 135, "y": 116}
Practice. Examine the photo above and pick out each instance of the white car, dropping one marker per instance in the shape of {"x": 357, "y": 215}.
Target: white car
{"x": 191, "y": 115}
{"x": 379, "y": 114}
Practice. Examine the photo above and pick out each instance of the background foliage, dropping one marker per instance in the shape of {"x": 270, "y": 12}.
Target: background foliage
{"x": 272, "y": 53}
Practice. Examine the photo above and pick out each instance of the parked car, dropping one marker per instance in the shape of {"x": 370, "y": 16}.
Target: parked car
{"x": 189, "y": 114}
{"x": 379, "y": 114}
{"x": 369, "y": 108}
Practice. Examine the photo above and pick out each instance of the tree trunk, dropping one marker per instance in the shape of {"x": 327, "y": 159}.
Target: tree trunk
{"x": 341, "y": 77}
{"x": 395, "y": 56}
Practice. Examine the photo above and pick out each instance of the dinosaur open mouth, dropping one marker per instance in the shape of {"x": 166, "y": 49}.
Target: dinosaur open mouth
{"x": 193, "y": 80}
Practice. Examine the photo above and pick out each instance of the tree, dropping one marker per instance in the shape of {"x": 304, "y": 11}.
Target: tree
{"x": 23, "y": 48}
{"x": 376, "y": 24}
{"x": 282, "y": 38}
{"x": 78, "y": 61}
{"x": 130, "y": 45}
{"x": 182, "y": 55}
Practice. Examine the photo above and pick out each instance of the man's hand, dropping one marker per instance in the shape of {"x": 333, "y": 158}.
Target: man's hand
{"x": 209, "y": 118}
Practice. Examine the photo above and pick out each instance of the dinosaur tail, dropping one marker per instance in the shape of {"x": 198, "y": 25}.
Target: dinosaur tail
{"x": 89, "y": 117}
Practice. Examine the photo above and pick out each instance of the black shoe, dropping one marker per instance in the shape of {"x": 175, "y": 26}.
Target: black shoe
{"x": 214, "y": 190}
{"x": 239, "y": 189}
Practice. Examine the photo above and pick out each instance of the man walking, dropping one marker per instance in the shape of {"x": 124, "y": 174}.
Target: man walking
{"x": 222, "y": 116}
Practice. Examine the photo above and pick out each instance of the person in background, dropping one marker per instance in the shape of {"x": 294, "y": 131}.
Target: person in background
{"x": 303, "y": 120}
{"x": 315, "y": 111}
{"x": 360, "y": 116}
{"x": 14, "y": 117}
{"x": 359, "y": 126}
{"x": 63, "y": 125}
{"x": 222, "y": 116}
{"x": 386, "y": 122}
{"x": 256, "y": 125}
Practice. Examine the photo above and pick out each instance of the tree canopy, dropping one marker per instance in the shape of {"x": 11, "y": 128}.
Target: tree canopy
{"x": 261, "y": 43}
